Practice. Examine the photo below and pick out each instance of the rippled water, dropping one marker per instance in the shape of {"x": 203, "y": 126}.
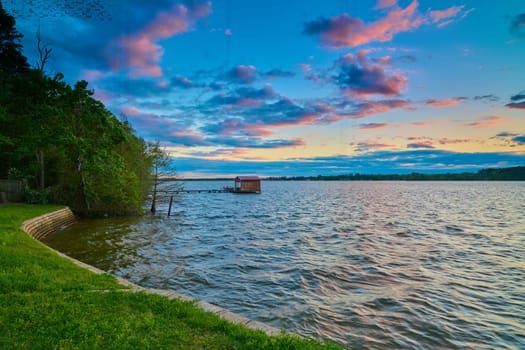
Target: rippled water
{"x": 409, "y": 265}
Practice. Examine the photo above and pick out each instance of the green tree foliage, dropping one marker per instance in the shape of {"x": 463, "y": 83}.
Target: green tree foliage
{"x": 160, "y": 160}
{"x": 12, "y": 60}
{"x": 66, "y": 144}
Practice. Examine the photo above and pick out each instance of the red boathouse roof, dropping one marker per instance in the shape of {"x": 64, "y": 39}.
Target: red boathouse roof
{"x": 247, "y": 178}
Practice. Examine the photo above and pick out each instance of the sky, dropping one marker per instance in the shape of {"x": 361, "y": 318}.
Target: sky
{"x": 299, "y": 87}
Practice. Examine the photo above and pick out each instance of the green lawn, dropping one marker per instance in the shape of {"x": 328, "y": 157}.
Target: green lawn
{"x": 47, "y": 302}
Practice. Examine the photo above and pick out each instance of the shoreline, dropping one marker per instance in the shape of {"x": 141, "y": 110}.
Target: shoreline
{"x": 47, "y": 224}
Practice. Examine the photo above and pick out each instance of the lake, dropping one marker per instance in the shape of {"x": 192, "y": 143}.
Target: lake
{"x": 408, "y": 265}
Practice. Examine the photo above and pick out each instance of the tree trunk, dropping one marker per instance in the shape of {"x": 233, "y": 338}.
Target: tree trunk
{"x": 154, "y": 199}
{"x": 40, "y": 159}
{"x": 83, "y": 183}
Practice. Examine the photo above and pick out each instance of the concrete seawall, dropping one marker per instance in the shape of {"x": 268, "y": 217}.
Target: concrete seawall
{"x": 44, "y": 225}
{"x": 47, "y": 224}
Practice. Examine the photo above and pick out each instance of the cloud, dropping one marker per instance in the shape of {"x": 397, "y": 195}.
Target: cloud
{"x": 383, "y": 61}
{"x": 445, "y": 14}
{"x": 130, "y": 111}
{"x": 182, "y": 131}
{"x": 449, "y": 102}
{"x": 379, "y": 161}
{"x": 140, "y": 53}
{"x": 506, "y": 134}
{"x": 510, "y": 138}
{"x": 357, "y": 77}
{"x": 368, "y": 108}
{"x": 421, "y": 144}
{"x": 256, "y": 143}
{"x": 516, "y": 105}
{"x": 429, "y": 142}
{"x": 244, "y": 96}
{"x": 488, "y": 97}
{"x": 367, "y": 146}
{"x": 182, "y": 82}
{"x": 446, "y": 141}
{"x": 517, "y": 25}
{"x": 427, "y": 123}
{"x": 519, "y": 139}
{"x": 369, "y": 126}
{"x": 382, "y": 4}
{"x": 242, "y": 74}
{"x": 406, "y": 59}
{"x": 518, "y": 101}
{"x": 134, "y": 88}
{"x": 488, "y": 122}
{"x": 278, "y": 73}
{"x": 518, "y": 97}
{"x": 346, "y": 32}
{"x": 220, "y": 153}
{"x": 305, "y": 67}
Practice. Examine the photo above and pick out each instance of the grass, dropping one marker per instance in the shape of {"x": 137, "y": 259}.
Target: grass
{"x": 47, "y": 302}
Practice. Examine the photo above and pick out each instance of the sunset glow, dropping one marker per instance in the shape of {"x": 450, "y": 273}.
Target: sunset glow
{"x": 304, "y": 88}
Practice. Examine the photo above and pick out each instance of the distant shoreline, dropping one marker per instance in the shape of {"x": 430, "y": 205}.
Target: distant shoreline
{"x": 491, "y": 174}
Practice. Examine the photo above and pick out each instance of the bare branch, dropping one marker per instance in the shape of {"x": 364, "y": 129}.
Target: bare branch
{"x": 43, "y": 51}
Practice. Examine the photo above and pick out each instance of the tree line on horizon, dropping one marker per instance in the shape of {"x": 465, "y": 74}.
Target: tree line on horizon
{"x": 61, "y": 142}
{"x": 492, "y": 174}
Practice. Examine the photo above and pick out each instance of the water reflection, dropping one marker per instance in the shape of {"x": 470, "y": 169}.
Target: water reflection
{"x": 372, "y": 264}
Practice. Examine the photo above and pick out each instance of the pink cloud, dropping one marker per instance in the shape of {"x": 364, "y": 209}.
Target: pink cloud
{"x": 371, "y": 108}
{"x": 370, "y": 126}
{"x": 103, "y": 95}
{"x": 444, "y": 23}
{"x": 130, "y": 110}
{"x": 345, "y": 32}
{"x": 305, "y": 67}
{"x": 249, "y": 102}
{"x": 140, "y": 52}
{"x": 242, "y": 74}
{"x": 92, "y": 75}
{"x": 384, "y": 61}
{"x": 448, "y": 102}
{"x": 445, "y": 14}
{"x": 488, "y": 122}
{"x": 359, "y": 78}
{"x": 382, "y": 4}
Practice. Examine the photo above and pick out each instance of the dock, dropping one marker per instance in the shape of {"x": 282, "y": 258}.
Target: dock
{"x": 243, "y": 185}
{"x": 167, "y": 193}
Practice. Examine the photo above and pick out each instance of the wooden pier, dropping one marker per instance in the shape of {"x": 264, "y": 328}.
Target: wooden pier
{"x": 243, "y": 184}
{"x": 167, "y": 193}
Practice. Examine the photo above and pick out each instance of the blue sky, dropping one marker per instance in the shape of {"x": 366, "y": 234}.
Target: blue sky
{"x": 300, "y": 87}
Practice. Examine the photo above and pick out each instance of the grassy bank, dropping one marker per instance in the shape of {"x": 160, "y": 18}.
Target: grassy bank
{"x": 47, "y": 302}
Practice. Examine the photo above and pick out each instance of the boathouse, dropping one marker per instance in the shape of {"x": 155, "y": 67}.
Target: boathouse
{"x": 247, "y": 184}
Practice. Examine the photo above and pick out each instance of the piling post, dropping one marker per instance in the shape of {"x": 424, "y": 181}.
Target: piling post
{"x": 169, "y": 209}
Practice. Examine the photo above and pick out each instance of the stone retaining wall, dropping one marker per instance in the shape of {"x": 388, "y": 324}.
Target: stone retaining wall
{"x": 45, "y": 225}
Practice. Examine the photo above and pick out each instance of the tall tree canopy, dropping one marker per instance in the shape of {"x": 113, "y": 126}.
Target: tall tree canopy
{"x": 65, "y": 145}
{"x": 12, "y": 60}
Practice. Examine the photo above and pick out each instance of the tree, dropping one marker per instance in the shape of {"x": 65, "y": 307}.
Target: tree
{"x": 12, "y": 61}
{"x": 159, "y": 159}
{"x": 43, "y": 51}
{"x": 65, "y": 143}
